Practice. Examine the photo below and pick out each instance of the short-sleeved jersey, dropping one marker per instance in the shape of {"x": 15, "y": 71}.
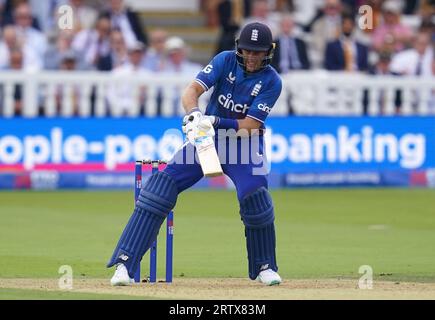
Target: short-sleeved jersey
{"x": 238, "y": 94}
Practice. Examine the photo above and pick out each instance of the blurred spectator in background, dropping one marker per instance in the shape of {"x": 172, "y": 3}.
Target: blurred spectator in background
{"x": 284, "y": 5}
{"x": 346, "y": 53}
{"x": 94, "y": 44}
{"x": 27, "y": 34}
{"x": 428, "y": 25}
{"x": 68, "y": 61}
{"x": 427, "y": 8}
{"x": 380, "y": 68}
{"x": 410, "y": 6}
{"x": 122, "y": 18}
{"x": 16, "y": 64}
{"x": 382, "y": 65}
{"x": 231, "y": 14}
{"x": 290, "y": 52}
{"x": 417, "y": 60}
{"x": 154, "y": 60}
{"x": 413, "y": 62}
{"x": 177, "y": 65}
{"x": 177, "y": 61}
{"x": 327, "y": 28}
{"x": 63, "y": 44}
{"x": 121, "y": 96}
{"x": 432, "y": 98}
{"x": 118, "y": 54}
{"x": 45, "y": 12}
{"x": 8, "y": 7}
{"x": 260, "y": 12}
{"x": 11, "y": 42}
{"x": 392, "y": 30}
{"x": 68, "y": 95}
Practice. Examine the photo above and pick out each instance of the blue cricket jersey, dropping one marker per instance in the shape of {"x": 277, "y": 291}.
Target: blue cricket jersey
{"x": 238, "y": 94}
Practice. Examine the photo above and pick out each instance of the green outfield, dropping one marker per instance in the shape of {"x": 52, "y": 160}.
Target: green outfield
{"x": 321, "y": 234}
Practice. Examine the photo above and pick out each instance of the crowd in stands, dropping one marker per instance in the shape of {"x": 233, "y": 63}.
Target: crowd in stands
{"x": 101, "y": 39}
{"x": 333, "y": 39}
{"x": 309, "y": 34}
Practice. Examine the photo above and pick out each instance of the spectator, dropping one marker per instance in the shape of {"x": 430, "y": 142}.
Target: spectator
{"x": 427, "y": 25}
{"x": 327, "y": 28}
{"x": 16, "y": 64}
{"x": 68, "y": 61}
{"x": 27, "y": 34}
{"x": 45, "y": 13}
{"x": 121, "y": 99}
{"x": 346, "y": 53}
{"x": 8, "y": 8}
{"x": 177, "y": 61}
{"x": 231, "y": 14}
{"x": 285, "y": 5}
{"x": 382, "y": 65}
{"x": 67, "y": 96}
{"x": 410, "y": 6}
{"x": 154, "y": 60}
{"x": 432, "y": 98}
{"x": 260, "y": 12}
{"x": 290, "y": 52}
{"x": 94, "y": 44}
{"x": 380, "y": 68}
{"x": 392, "y": 30}
{"x": 417, "y": 60}
{"x": 10, "y": 42}
{"x": 62, "y": 45}
{"x": 427, "y": 9}
{"x": 413, "y": 62}
{"x": 177, "y": 65}
{"x": 118, "y": 55}
{"x": 122, "y": 18}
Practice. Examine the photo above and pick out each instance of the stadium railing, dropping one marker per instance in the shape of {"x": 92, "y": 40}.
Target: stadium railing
{"x": 103, "y": 94}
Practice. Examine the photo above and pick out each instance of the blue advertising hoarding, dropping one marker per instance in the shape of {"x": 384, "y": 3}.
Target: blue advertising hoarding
{"x": 302, "y": 150}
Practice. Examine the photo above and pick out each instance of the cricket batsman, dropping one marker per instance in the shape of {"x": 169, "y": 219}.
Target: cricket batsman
{"x": 246, "y": 87}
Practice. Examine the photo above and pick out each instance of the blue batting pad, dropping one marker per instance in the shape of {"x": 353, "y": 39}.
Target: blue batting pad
{"x": 156, "y": 199}
{"x": 258, "y": 217}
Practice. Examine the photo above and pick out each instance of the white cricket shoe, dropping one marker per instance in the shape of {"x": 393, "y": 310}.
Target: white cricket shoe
{"x": 269, "y": 277}
{"x": 121, "y": 277}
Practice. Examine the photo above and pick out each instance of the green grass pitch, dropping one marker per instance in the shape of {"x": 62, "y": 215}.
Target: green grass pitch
{"x": 321, "y": 233}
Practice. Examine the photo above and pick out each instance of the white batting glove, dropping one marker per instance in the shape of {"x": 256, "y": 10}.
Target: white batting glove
{"x": 205, "y": 127}
{"x": 190, "y": 123}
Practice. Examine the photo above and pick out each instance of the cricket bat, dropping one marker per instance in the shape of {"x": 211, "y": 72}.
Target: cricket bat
{"x": 207, "y": 154}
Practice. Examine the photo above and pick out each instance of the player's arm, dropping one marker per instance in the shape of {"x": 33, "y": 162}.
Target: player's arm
{"x": 190, "y": 96}
{"x": 249, "y": 124}
{"x": 241, "y": 126}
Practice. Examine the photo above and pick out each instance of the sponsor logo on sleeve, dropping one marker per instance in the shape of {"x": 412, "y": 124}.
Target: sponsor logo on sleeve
{"x": 208, "y": 69}
{"x": 231, "y": 78}
{"x": 264, "y": 107}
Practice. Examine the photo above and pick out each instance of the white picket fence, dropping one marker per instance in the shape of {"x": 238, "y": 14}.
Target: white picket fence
{"x": 309, "y": 93}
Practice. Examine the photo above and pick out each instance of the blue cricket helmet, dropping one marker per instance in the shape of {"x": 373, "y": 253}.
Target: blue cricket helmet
{"x": 255, "y": 36}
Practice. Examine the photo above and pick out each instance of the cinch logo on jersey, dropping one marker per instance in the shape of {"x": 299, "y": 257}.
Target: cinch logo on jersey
{"x": 228, "y": 103}
{"x": 264, "y": 107}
